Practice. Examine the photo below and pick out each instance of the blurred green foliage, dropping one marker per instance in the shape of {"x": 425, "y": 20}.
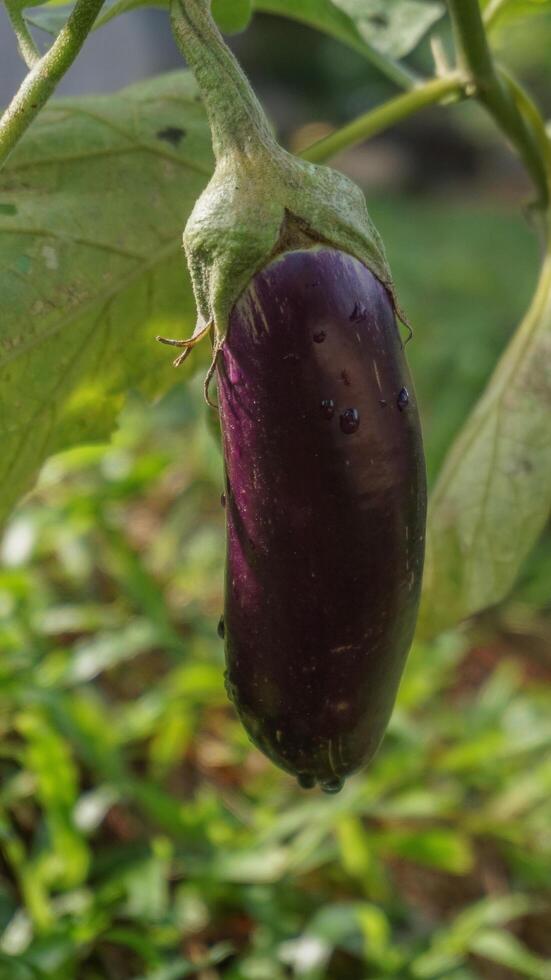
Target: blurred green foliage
{"x": 141, "y": 834}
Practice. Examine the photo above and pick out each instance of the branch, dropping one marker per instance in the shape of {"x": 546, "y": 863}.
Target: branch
{"x": 531, "y": 113}
{"x": 476, "y": 59}
{"x": 429, "y": 93}
{"x": 45, "y": 75}
{"x": 27, "y": 47}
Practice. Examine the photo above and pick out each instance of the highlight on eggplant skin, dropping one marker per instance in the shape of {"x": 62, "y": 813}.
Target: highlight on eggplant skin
{"x": 325, "y": 512}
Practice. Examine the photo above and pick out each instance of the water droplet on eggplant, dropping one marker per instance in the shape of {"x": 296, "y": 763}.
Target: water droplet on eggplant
{"x": 403, "y": 399}
{"x": 358, "y": 314}
{"x": 305, "y": 780}
{"x": 223, "y": 499}
{"x": 350, "y": 421}
{"x": 327, "y": 408}
{"x": 221, "y": 629}
{"x": 333, "y": 785}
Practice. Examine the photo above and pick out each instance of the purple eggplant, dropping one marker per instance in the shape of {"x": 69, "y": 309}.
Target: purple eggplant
{"x": 325, "y": 511}
{"x": 325, "y": 482}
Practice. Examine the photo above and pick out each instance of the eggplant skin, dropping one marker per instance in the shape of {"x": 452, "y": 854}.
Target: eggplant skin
{"x": 325, "y": 512}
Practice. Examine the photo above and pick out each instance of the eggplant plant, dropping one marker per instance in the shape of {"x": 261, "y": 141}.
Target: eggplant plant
{"x": 325, "y": 479}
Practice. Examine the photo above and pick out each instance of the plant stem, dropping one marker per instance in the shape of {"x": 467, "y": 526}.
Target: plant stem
{"x": 429, "y": 93}
{"x": 476, "y": 59}
{"x": 45, "y": 75}
{"x": 237, "y": 120}
{"x": 531, "y": 113}
{"x": 27, "y": 47}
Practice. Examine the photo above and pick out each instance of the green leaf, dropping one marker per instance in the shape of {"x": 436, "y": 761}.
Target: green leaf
{"x": 65, "y": 859}
{"x": 106, "y": 650}
{"x": 436, "y": 847}
{"x": 450, "y": 945}
{"x": 493, "y": 496}
{"x": 179, "y": 967}
{"x": 23, "y": 4}
{"x": 502, "y": 947}
{"x": 500, "y": 12}
{"x": 232, "y": 16}
{"x": 92, "y": 264}
{"x": 51, "y": 17}
{"x": 325, "y": 16}
{"x": 354, "y": 846}
{"x": 393, "y": 27}
{"x": 251, "y": 866}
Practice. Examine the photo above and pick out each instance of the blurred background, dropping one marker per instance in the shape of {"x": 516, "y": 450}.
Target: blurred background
{"x": 141, "y": 834}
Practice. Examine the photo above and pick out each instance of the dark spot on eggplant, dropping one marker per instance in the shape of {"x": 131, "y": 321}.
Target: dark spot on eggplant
{"x": 221, "y": 629}
{"x": 333, "y": 785}
{"x": 327, "y": 408}
{"x": 223, "y": 499}
{"x": 403, "y": 399}
{"x": 359, "y": 313}
{"x": 345, "y": 378}
{"x": 319, "y": 337}
{"x": 350, "y": 421}
{"x": 172, "y": 135}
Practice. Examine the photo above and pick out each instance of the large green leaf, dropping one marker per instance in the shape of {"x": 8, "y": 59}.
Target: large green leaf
{"x": 449, "y": 945}
{"x": 50, "y": 17}
{"x": 493, "y": 496}
{"x": 499, "y": 12}
{"x": 328, "y": 17}
{"x": 375, "y": 36}
{"x": 92, "y": 205}
{"x": 393, "y": 27}
{"x": 501, "y": 947}
{"x": 231, "y": 16}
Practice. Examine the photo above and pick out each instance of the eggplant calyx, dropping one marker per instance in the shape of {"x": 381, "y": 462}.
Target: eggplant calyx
{"x": 240, "y": 221}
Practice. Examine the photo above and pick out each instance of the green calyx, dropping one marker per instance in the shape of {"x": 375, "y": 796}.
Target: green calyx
{"x": 260, "y": 200}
